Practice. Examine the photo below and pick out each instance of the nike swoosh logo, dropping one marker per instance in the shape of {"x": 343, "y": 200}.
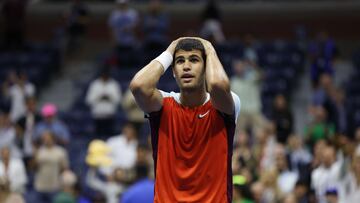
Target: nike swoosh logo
{"x": 203, "y": 115}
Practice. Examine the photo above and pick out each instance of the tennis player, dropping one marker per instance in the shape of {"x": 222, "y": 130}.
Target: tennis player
{"x": 191, "y": 131}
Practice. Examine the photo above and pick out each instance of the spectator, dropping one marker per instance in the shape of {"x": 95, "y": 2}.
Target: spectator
{"x": 257, "y": 191}
{"x": 133, "y": 113}
{"x": 77, "y": 18}
{"x": 287, "y": 178}
{"x": 156, "y": 25}
{"x": 13, "y": 170}
{"x": 52, "y": 123}
{"x": 68, "y": 193}
{"x": 124, "y": 148}
{"x": 319, "y": 128}
{"x": 326, "y": 176}
{"x": 245, "y": 83}
{"x": 6, "y": 195}
{"x": 122, "y": 22}
{"x": 301, "y": 192}
{"x": 331, "y": 196}
{"x": 50, "y": 160}
{"x": 26, "y": 127}
{"x": 352, "y": 189}
{"x": 103, "y": 97}
{"x": 8, "y": 133}
{"x": 111, "y": 188}
{"x": 211, "y": 28}
{"x": 241, "y": 191}
{"x": 143, "y": 189}
{"x": 322, "y": 53}
{"x": 300, "y": 157}
{"x": 283, "y": 118}
{"x": 242, "y": 155}
{"x": 14, "y": 14}
{"x": 17, "y": 93}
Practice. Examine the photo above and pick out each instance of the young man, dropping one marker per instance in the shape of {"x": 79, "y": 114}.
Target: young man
{"x": 192, "y": 131}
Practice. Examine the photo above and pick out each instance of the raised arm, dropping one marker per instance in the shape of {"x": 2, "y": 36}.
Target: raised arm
{"x": 143, "y": 85}
{"x": 218, "y": 84}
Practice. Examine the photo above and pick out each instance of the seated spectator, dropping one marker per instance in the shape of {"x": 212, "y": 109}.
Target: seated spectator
{"x": 50, "y": 160}
{"x": 211, "y": 28}
{"x": 13, "y": 170}
{"x": 322, "y": 53}
{"x": 352, "y": 189}
{"x": 300, "y": 157}
{"x": 133, "y": 113}
{"x": 123, "y": 149}
{"x": 301, "y": 192}
{"x": 77, "y": 18}
{"x": 6, "y": 195}
{"x": 143, "y": 188}
{"x": 68, "y": 193}
{"x": 283, "y": 118}
{"x": 122, "y": 22}
{"x": 242, "y": 155}
{"x": 287, "y": 178}
{"x": 17, "y": 92}
{"x": 246, "y": 84}
{"x": 319, "y": 128}
{"x": 25, "y": 128}
{"x": 111, "y": 188}
{"x": 156, "y": 25}
{"x": 51, "y": 123}
{"x": 8, "y": 133}
{"x": 103, "y": 97}
{"x": 327, "y": 175}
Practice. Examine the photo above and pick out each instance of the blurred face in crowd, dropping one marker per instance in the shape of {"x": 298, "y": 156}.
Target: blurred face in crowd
{"x": 325, "y": 81}
{"x": 5, "y": 154}
{"x": 243, "y": 139}
{"x": 119, "y": 175}
{"x": 31, "y": 104}
{"x": 300, "y": 190}
{"x": 290, "y": 198}
{"x": 280, "y": 158}
{"x": 320, "y": 114}
{"x": 4, "y": 120}
{"x": 329, "y": 156}
{"x": 257, "y": 190}
{"x": 239, "y": 67}
{"x": 280, "y": 102}
{"x": 48, "y": 139}
{"x": 295, "y": 142}
{"x": 357, "y": 135}
{"x": 129, "y": 132}
{"x": 356, "y": 164}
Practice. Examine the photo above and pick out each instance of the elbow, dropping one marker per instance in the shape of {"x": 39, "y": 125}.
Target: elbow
{"x": 137, "y": 87}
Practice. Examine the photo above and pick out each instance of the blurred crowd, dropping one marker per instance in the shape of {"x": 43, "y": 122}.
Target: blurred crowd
{"x": 271, "y": 163}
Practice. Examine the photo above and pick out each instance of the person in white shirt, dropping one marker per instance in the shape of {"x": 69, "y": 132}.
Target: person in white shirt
{"x": 17, "y": 94}
{"x": 123, "y": 149}
{"x": 13, "y": 169}
{"x": 103, "y": 97}
{"x": 326, "y": 176}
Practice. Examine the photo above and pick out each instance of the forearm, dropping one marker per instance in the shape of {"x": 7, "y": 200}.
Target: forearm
{"x": 144, "y": 82}
{"x": 216, "y": 78}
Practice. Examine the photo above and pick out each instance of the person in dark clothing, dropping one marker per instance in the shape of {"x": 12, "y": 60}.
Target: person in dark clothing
{"x": 283, "y": 118}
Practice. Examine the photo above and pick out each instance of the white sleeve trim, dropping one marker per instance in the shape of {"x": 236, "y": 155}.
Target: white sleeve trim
{"x": 237, "y": 105}
{"x": 172, "y": 94}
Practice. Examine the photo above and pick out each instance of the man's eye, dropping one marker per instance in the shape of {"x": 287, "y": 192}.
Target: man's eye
{"x": 194, "y": 60}
{"x": 179, "y": 61}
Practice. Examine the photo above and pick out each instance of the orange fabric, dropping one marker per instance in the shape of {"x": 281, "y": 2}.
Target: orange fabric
{"x": 192, "y": 155}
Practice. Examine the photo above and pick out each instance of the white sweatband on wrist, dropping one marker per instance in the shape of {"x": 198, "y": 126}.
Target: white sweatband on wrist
{"x": 165, "y": 59}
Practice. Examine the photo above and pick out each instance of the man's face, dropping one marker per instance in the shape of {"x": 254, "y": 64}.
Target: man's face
{"x": 189, "y": 69}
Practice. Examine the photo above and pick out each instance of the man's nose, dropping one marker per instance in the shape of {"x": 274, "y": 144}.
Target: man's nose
{"x": 187, "y": 65}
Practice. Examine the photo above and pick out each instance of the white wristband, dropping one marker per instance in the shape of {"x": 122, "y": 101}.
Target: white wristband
{"x": 165, "y": 59}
